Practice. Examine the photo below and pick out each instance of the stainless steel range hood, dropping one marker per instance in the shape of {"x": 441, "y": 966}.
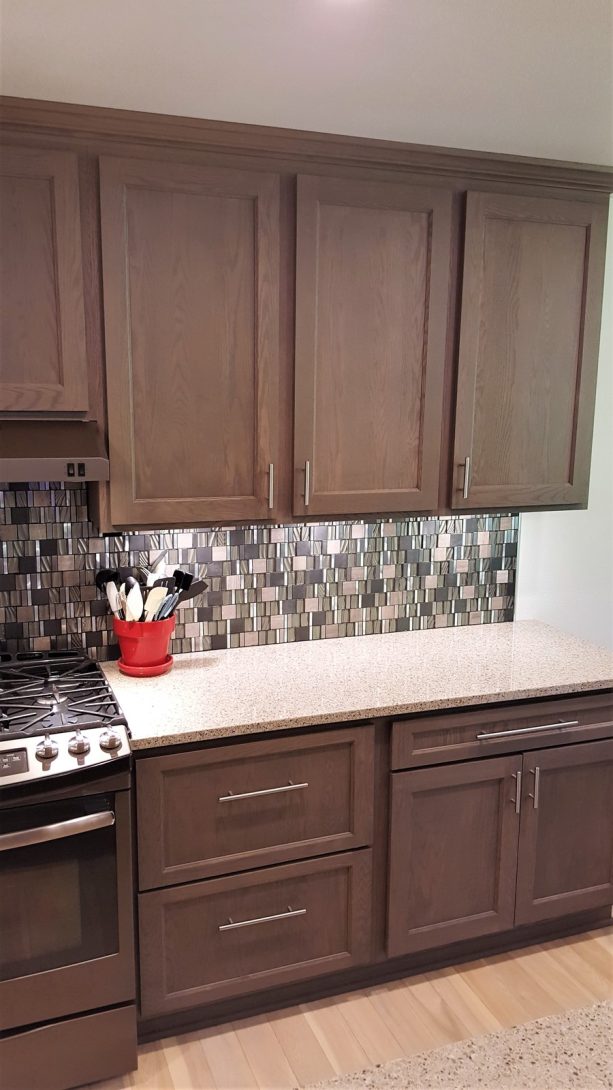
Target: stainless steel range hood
{"x": 63, "y": 450}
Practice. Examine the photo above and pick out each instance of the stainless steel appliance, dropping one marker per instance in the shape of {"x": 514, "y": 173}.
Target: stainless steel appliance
{"x": 67, "y": 982}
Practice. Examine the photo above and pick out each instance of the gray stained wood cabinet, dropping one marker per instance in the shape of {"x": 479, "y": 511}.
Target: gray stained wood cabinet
{"x": 373, "y": 266}
{"x": 529, "y": 329}
{"x": 190, "y": 259}
{"x": 43, "y": 360}
{"x": 287, "y": 326}
{"x": 272, "y": 862}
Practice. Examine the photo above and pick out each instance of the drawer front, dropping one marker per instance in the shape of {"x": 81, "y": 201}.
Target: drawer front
{"x": 487, "y": 732}
{"x": 225, "y": 936}
{"x": 210, "y": 812}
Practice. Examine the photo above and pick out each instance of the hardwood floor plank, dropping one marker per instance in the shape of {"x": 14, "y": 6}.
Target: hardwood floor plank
{"x": 337, "y": 1036}
{"x": 367, "y": 1025}
{"x": 542, "y": 966}
{"x": 301, "y": 1046}
{"x": 468, "y": 1009}
{"x": 595, "y": 977}
{"x": 265, "y": 1055}
{"x": 187, "y": 1063}
{"x": 337, "y": 1040}
{"x": 226, "y": 1059}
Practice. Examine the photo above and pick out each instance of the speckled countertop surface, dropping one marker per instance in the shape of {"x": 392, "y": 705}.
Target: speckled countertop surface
{"x": 251, "y": 690}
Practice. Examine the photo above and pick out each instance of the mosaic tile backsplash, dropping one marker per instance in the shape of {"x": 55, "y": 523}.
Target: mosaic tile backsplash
{"x": 267, "y": 584}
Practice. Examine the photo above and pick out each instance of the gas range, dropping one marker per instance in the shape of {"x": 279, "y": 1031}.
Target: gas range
{"x": 58, "y": 716}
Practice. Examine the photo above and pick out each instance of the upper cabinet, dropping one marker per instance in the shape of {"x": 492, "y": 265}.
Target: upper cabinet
{"x": 281, "y": 325}
{"x": 43, "y": 359}
{"x": 529, "y": 325}
{"x": 191, "y": 286}
{"x": 372, "y": 295}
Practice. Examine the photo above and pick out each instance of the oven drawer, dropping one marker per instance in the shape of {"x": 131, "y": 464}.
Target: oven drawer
{"x": 216, "y": 811}
{"x": 225, "y": 936}
{"x": 498, "y": 729}
{"x": 70, "y": 1053}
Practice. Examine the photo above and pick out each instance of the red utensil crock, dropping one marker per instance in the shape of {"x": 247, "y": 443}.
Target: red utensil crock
{"x": 144, "y": 643}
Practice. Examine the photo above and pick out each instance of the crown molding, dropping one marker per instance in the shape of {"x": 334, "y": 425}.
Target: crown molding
{"x": 89, "y": 123}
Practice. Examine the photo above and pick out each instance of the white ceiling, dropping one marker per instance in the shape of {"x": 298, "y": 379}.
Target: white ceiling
{"x": 531, "y": 77}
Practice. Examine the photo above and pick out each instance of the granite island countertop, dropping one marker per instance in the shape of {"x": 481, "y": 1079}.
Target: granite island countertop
{"x": 251, "y": 690}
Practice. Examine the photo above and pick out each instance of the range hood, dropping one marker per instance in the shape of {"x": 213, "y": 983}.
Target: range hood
{"x": 63, "y": 450}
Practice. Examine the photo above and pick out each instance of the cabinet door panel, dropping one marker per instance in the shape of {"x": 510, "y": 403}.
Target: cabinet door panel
{"x": 210, "y": 940}
{"x": 191, "y": 312}
{"x": 566, "y": 838}
{"x": 531, "y": 297}
{"x": 43, "y": 362}
{"x": 373, "y": 266}
{"x": 454, "y": 836}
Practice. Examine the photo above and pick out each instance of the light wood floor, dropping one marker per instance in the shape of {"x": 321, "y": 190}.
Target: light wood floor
{"x": 335, "y": 1036}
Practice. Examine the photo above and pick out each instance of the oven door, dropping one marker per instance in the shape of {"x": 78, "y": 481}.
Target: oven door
{"x": 66, "y": 913}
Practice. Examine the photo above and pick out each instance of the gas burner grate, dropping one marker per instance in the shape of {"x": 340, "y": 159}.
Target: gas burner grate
{"x": 54, "y": 694}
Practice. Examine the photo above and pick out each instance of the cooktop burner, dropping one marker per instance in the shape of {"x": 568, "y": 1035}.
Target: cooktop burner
{"x": 54, "y": 692}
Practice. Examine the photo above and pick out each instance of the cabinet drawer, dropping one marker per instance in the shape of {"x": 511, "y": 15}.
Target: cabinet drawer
{"x": 486, "y": 732}
{"x": 225, "y": 936}
{"x": 217, "y": 811}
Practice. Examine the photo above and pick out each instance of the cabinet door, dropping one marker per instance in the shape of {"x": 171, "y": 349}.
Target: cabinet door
{"x": 43, "y": 362}
{"x": 566, "y": 838}
{"x": 531, "y": 297}
{"x": 372, "y": 286}
{"x": 190, "y": 271}
{"x": 454, "y": 834}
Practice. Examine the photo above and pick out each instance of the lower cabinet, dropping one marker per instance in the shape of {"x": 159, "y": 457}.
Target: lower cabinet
{"x": 566, "y": 836}
{"x": 483, "y": 846}
{"x": 453, "y": 853}
{"x": 269, "y": 862}
{"x": 227, "y": 936}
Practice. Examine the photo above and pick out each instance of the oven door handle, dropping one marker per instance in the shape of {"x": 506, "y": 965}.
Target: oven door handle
{"x": 25, "y": 838}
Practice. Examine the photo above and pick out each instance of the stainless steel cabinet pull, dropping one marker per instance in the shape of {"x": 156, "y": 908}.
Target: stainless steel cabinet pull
{"x": 25, "y": 838}
{"x": 466, "y": 477}
{"x": 529, "y": 730}
{"x": 231, "y": 925}
{"x": 307, "y": 483}
{"x": 289, "y": 786}
{"x": 271, "y": 485}
{"x": 517, "y": 799}
{"x": 536, "y": 772}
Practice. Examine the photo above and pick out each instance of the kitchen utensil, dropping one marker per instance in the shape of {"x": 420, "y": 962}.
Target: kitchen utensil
{"x": 134, "y": 602}
{"x": 195, "y": 588}
{"x": 122, "y": 598}
{"x": 154, "y": 599}
{"x": 112, "y": 594}
{"x": 165, "y": 581}
{"x": 167, "y": 607}
{"x": 106, "y": 575}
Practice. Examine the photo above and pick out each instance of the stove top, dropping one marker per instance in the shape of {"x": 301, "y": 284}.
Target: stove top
{"x": 44, "y": 696}
{"x": 54, "y": 692}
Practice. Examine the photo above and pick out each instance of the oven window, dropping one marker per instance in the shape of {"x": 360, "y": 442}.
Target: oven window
{"x": 59, "y": 896}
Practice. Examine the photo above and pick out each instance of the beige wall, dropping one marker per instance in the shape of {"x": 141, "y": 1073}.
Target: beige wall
{"x": 531, "y": 77}
{"x": 566, "y": 557}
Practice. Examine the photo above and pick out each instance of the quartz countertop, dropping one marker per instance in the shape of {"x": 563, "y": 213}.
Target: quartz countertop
{"x": 251, "y": 690}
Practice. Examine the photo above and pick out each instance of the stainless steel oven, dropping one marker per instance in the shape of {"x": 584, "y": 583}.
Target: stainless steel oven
{"x": 67, "y": 977}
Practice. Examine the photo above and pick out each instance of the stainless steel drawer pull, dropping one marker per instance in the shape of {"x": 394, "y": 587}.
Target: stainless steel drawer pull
{"x": 466, "y": 487}
{"x": 517, "y": 799}
{"x": 289, "y": 786}
{"x": 271, "y": 485}
{"x": 26, "y": 838}
{"x": 528, "y": 730}
{"x": 536, "y": 772}
{"x": 307, "y": 483}
{"x": 231, "y": 925}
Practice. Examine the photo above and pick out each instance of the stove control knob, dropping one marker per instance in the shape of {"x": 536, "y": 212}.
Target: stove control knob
{"x": 110, "y": 740}
{"x": 78, "y": 744}
{"x": 46, "y": 749}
